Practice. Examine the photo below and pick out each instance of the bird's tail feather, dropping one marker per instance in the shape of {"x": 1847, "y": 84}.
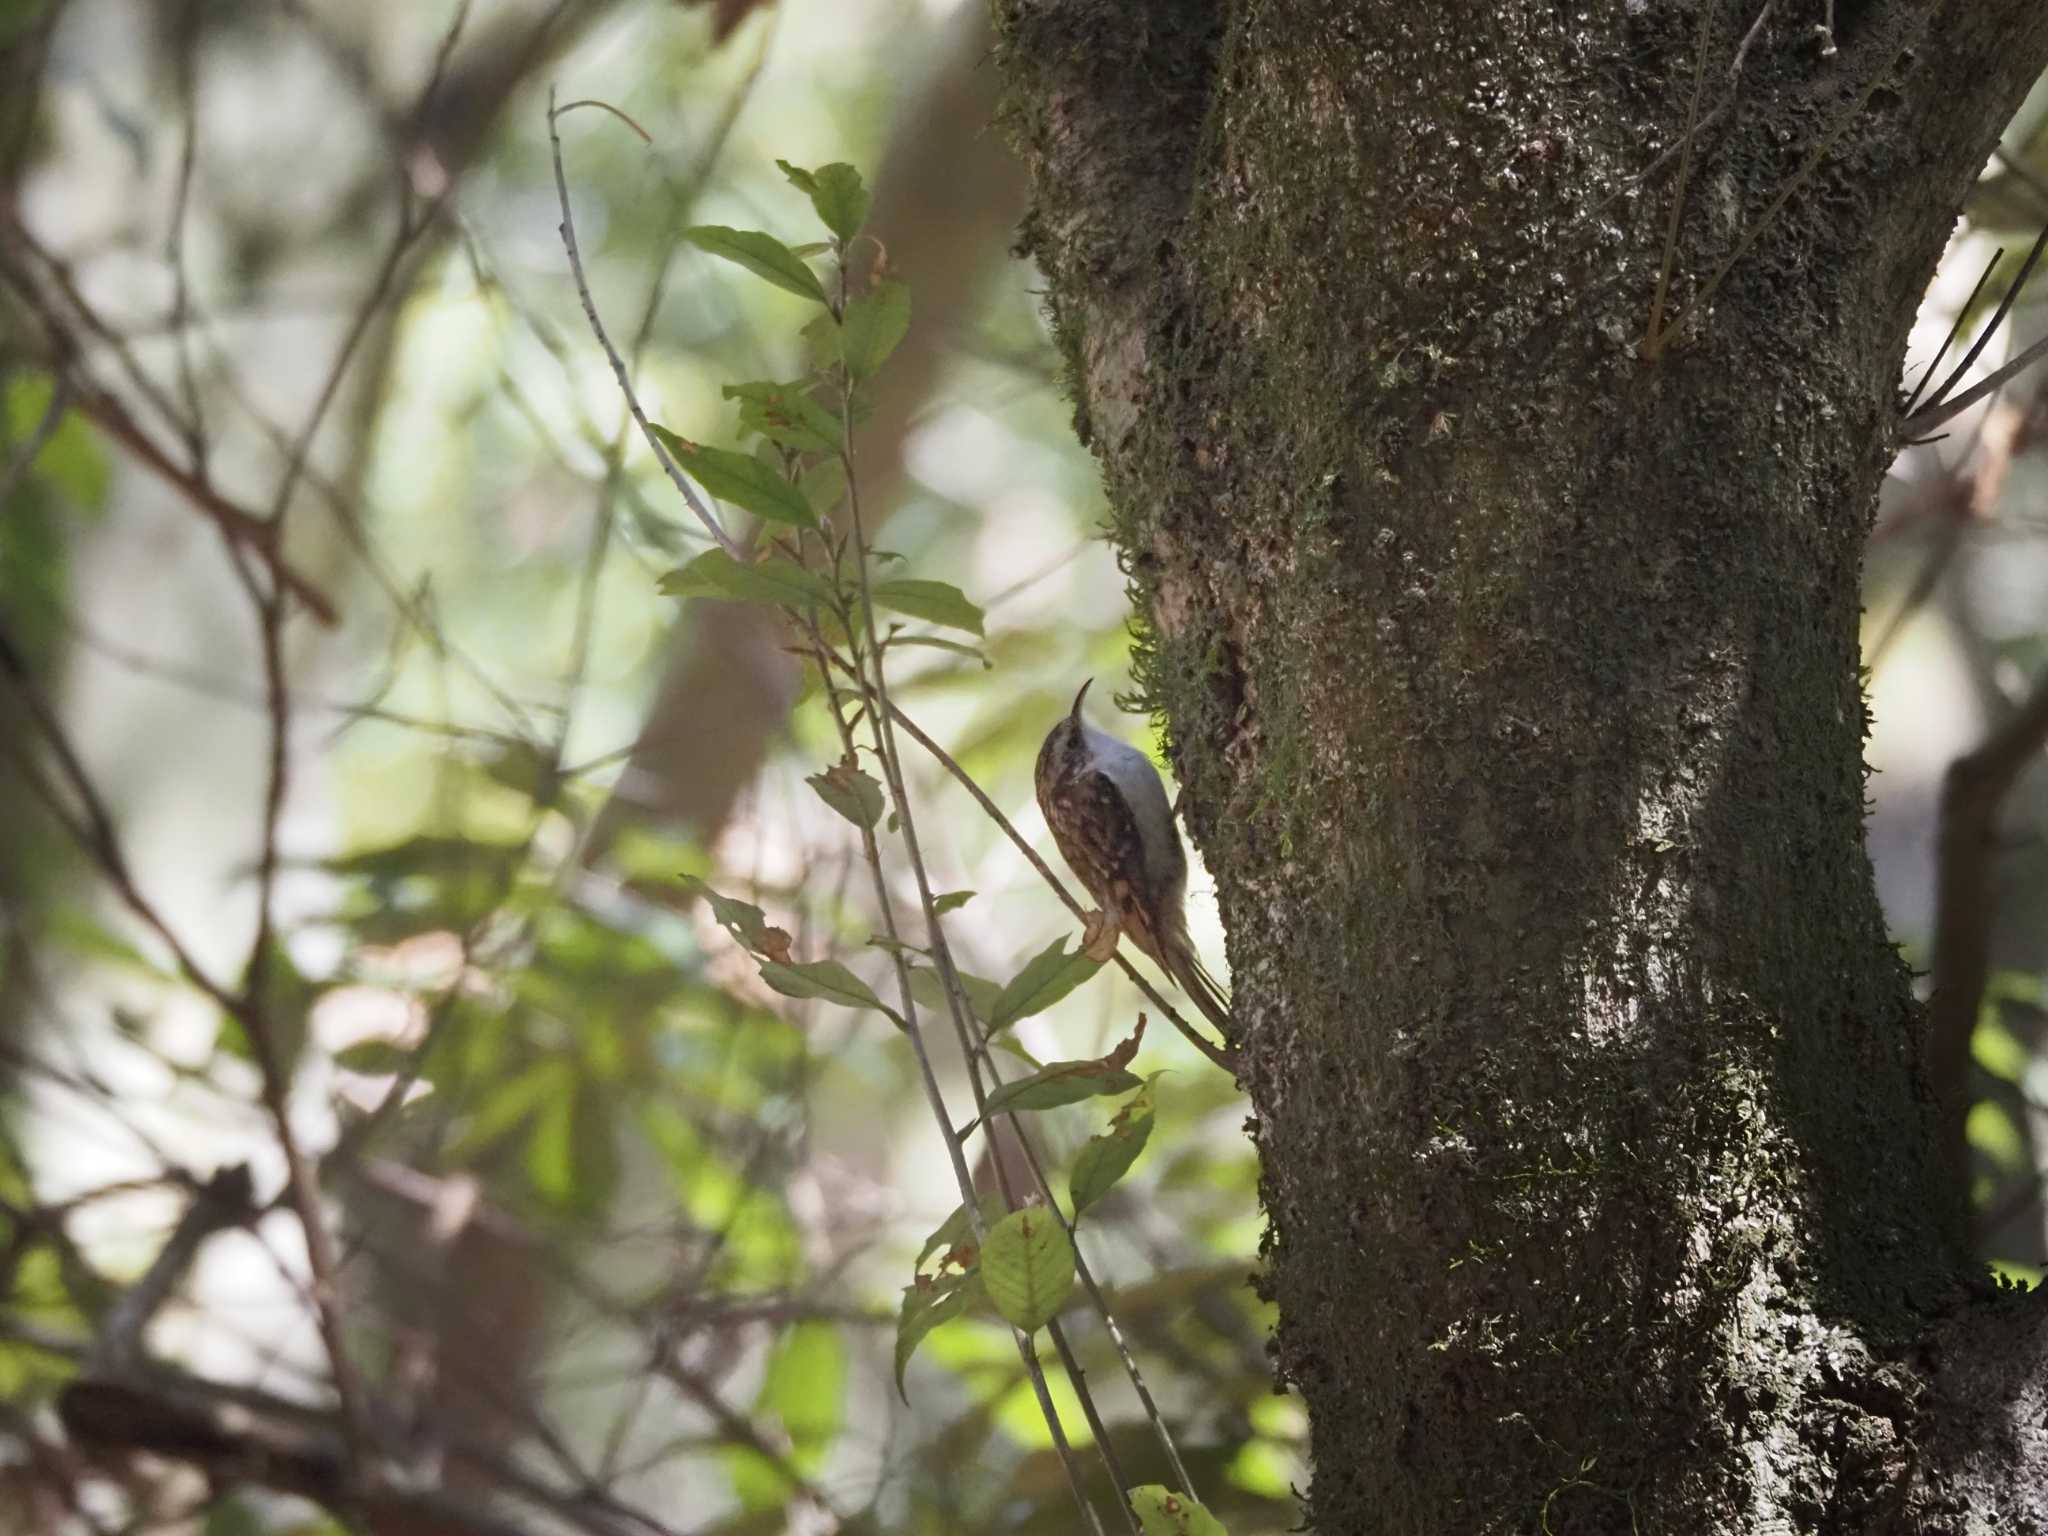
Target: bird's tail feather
{"x": 1200, "y": 986}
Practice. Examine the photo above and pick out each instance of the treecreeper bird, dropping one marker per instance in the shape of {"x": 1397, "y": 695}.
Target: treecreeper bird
{"x": 1108, "y": 812}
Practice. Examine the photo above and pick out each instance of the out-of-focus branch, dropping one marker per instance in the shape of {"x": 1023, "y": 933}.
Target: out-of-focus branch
{"x": 1972, "y": 795}
{"x": 223, "y": 1201}
{"x": 241, "y": 528}
{"x": 285, "y": 1449}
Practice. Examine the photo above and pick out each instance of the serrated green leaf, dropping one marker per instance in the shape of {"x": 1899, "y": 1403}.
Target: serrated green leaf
{"x": 1061, "y": 1082}
{"x": 771, "y": 579}
{"x": 836, "y": 192}
{"x": 826, "y": 979}
{"x": 740, "y": 479}
{"x": 786, "y": 413}
{"x": 1027, "y": 1267}
{"x": 936, "y": 602}
{"x": 1108, "y": 1157}
{"x": 761, "y": 254}
{"x": 849, "y": 792}
{"x": 1162, "y": 1512}
{"x": 924, "y": 1308}
{"x": 872, "y": 326}
{"x": 1047, "y": 977}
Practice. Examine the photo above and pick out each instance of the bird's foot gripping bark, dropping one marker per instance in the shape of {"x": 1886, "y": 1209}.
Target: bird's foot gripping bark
{"x": 1099, "y": 933}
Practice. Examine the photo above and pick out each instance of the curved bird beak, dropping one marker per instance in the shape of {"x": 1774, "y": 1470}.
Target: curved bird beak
{"x": 1076, "y": 715}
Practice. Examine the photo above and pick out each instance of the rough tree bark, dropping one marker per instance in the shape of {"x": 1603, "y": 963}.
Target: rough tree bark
{"x": 1513, "y": 679}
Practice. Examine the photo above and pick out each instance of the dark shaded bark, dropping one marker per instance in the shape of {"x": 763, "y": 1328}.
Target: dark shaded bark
{"x": 1513, "y": 680}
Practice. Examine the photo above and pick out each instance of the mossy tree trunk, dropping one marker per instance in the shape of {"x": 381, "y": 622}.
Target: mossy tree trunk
{"x": 1513, "y": 680}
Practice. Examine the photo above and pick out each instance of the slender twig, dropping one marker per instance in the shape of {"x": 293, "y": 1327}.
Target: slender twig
{"x": 619, "y": 372}
{"x": 39, "y": 436}
{"x": 243, "y": 529}
{"x": 92, "y": 827}
{"x": 935, "y": 1097}
{"x": 882, "y": 725}
{"x": 1749, "y": 38}
{"x": 221, "y": 1202}
{"x": 302, "y": 1186}
{"x": 1955, "y": 329}
{"x": 1928, "y": 417}
{"x": 2012, "y": 292}
{"x": 174, "y": 240}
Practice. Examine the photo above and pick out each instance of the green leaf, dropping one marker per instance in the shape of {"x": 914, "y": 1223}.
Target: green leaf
{"x": 1046, "y": 978}
{"x": 374, "y": 1057}
{"x": 771, "y": 579}
{"x": 740, "y": 479}
{"x": 872, "y": 326}
{"x": 826, "y": 979}
{"x": 761, "y": 254}
{"x": 925, "y": 1306}
{"x": 936, "y": 602}
{"x": 927, "y": 987}
{"x": 836, "y": 192}
{"x": 742, "y": 919}
{"x": 551, "y": 1148}
{"x": 957, "y": 1230}
{"x": 1162, "y": 1512}
{"x": 849, "y": 792}
{"x": 824, "y": 486}
{"x": 950, "y": 901}
{"x": 1027, "y": 1267}
{"x": 786, "y": 413}
{"x": 1008, "y": 1045}
{"x": 805, "y": 1387}
{"x": 1062, "y": 1082}
{"x": 1108, "y": 1157}
{"x": 229, "y": 1516}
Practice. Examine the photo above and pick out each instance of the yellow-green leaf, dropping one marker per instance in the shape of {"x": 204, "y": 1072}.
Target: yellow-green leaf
{"x": 872, "y": 326}
{"x": 1108, "y": 1157}
{"x": 1027, "y": 1267}
{"x": 1162, "y": 1512}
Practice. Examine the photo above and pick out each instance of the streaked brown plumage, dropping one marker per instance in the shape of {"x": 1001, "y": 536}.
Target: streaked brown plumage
{"x": 1108, "y": 812}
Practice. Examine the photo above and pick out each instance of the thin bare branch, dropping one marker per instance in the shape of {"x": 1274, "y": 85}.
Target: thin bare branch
{"x": 619, "y": 372}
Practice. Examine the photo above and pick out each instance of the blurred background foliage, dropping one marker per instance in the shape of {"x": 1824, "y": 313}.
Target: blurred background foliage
{"x": 621, "y": 1233}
